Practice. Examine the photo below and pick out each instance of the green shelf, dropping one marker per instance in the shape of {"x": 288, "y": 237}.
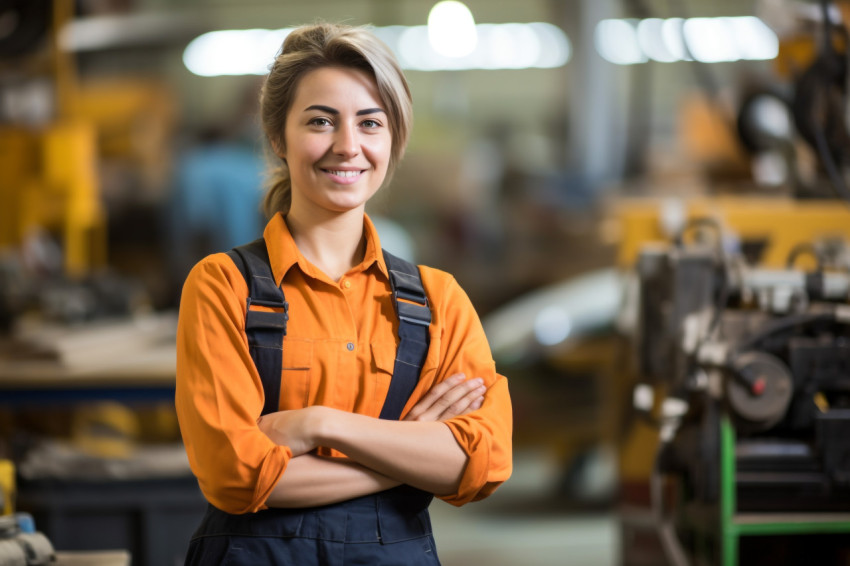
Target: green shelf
{"x": 735, "y": 525}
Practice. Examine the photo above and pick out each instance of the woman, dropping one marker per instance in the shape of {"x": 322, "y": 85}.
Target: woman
{"x": 323, "y": 480}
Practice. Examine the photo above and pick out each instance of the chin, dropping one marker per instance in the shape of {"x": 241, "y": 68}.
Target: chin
{"x": 345, "y": 206}
{"x": 348, "y": 202}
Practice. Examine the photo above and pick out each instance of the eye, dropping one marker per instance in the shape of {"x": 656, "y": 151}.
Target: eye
{"x": 370, "y": 123}
{"x": 319, "y": 121}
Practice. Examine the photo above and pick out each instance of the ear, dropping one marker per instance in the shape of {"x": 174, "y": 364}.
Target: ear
{"x": 277, "y": 147}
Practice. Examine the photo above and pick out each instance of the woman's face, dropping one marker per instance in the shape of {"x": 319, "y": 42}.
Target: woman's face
{"x": 337, "y": 141}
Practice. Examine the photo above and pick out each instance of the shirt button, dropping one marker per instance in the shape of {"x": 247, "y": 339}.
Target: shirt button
{"x": 346, "y": 284}
{"x": 350, "y": 346}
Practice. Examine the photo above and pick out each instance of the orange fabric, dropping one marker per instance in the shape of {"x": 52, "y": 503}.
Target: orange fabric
{"x": 219, "y": 393}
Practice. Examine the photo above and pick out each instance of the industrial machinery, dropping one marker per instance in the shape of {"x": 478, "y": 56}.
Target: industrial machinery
{"x": 20, "y": 543}
{"x": 47, "y": 152}
{"x": 753, "y": 365}
{"x": 740, "y": 325}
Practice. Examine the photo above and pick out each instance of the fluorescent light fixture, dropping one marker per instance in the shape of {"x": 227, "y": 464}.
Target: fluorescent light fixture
{"x": 708, "y": 40}
{"x": 498, "y": 46}
{"x": 233, "y": 52}
{"x": 754, "y": 38}
{"x": 674, "y": 39}
{"x": 651, "y": 40}
{"x": 555, "y": 48}
{"x": 711, "y": 40}
{"x": 617, "y": 42}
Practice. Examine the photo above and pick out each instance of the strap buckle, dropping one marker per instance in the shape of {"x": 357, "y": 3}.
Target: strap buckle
{"x": 271, "y": 304}
{"x": 255, "y": 319}
{"x": 415, "y": 313}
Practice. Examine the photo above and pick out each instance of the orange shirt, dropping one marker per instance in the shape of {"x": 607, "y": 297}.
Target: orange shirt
{"x": 219, "y": 392}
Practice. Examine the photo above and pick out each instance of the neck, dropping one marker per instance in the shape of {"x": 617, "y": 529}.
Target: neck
{"x": 334, "y": 243}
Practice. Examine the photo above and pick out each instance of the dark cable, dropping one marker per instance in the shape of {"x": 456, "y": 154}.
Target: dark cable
{"x": 835, "y": 176}
{"x": 801, "y": 248}
{"x": 821, "y": 101}
{"x": 826, "y": 39}
{"x": 781, "y": 324}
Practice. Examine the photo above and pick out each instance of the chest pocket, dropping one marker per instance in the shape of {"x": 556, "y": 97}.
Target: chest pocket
{"x": 383, "y": 364}
{"x": 296, "y": 373}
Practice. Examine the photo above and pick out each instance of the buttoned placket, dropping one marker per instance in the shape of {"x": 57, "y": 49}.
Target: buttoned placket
{"x": 345, "y": 285}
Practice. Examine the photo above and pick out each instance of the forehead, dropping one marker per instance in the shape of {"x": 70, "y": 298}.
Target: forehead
{"x": 344, "y": 86}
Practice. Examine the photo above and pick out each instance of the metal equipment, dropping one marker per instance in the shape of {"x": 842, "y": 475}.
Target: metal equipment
{"x": 21, "y": 545}
{"x": 754, "y": 364}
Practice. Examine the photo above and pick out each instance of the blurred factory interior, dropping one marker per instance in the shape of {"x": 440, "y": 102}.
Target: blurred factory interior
{"x": 646, "y": 200}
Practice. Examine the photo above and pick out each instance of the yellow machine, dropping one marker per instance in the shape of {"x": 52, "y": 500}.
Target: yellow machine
{"x": 7, "y": 487}
{"x": 49, "y": 180}
{"x": 50, "y": 183}
{"x": 767, "y": 228}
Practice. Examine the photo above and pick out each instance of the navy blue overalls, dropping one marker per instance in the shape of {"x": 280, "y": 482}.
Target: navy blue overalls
{"x": 391, "y": 528}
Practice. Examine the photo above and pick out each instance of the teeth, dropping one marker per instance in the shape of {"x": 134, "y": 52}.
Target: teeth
{"x": 344, "y": 173}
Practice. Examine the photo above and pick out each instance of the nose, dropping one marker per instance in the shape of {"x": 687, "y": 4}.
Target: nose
{"x": 346, "y": 142}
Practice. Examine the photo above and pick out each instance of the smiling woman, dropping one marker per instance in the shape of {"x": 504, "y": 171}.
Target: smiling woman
{"x": 305, "y": 448}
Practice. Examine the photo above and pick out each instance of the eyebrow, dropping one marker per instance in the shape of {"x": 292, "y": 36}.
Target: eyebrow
{"x": 335, "y": 112}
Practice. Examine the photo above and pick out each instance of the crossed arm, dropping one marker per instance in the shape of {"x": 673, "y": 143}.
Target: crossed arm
{"x": 419, "y": 451}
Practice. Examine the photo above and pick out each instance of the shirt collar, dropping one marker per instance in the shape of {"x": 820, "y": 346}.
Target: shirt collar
{"x": 283, "y": 253}
{"x": 374, "y": 253}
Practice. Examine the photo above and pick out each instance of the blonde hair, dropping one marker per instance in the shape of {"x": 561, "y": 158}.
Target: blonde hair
{"x": 311, "y": 47}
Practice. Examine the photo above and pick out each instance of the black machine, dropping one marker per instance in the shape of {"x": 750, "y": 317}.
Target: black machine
{"x": 770, "y": 350}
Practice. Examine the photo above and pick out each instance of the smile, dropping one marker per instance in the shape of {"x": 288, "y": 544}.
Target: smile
{"x": 345, "y": 174}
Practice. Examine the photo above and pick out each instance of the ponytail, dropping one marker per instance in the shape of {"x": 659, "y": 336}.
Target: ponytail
{"x": 278, "y": 197}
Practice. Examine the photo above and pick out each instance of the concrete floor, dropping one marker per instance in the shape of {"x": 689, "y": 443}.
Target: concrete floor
{"x": 523, "y": 523}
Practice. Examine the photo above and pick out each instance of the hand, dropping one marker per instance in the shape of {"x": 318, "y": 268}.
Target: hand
{"x": 298, "y": 429}
{"x": 452, "y": 397}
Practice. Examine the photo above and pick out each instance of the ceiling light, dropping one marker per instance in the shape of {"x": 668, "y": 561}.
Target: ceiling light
{"x": 451, "y": 29}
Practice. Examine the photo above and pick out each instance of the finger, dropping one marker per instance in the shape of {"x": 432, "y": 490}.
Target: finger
{"x": 466, "y": 404}
{"x": 439, "y": 398}
{"x": 433, "y": 395}
{"x": 456, "y": 398}
{"x": 473, "y": 406}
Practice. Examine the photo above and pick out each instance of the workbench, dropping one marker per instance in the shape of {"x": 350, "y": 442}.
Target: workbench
{"x": 130, "y": 360}
{"x": 50, "y": 367}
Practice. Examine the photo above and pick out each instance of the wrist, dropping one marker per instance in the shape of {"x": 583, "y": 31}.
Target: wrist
{"x": 327, "y": 425}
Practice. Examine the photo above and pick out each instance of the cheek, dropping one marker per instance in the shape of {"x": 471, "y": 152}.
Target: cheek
{"x": 315, "y": 148}
{"x": 381, "y": 151}
{"x": 303, "y": 156}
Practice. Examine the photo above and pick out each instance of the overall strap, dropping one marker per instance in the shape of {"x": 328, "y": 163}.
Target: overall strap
{"x": 414, "y": 320}
{"x": 265, "y": 329}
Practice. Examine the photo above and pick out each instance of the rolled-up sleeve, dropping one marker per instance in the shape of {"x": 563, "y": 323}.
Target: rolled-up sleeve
{"x": 485, "y": 435}
{"x": 219, "y": 393}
